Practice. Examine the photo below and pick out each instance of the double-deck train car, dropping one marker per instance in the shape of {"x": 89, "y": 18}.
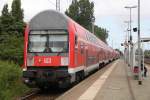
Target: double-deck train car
{"x": 59, "y": 51}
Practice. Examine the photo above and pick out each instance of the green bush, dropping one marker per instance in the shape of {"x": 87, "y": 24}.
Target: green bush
{"x": 147, "y": 53}
{"x": 11, "y": 85}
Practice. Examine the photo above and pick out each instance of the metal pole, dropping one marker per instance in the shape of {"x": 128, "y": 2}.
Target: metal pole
{"x": 112, "y": 43}
{"x": 131, "y": 47}
{"x": 128, "y": 52}
{"x": 139, "y": 50}
{"x": 130, "y": 40}
{"x": 130, "y": 37}
{"x": 58, "y": 5}
{"x": 93, "y": 27}
{"x": 128, "y": 45}
{"x": 93, "y": 20}
{"x": 130, "y": 24}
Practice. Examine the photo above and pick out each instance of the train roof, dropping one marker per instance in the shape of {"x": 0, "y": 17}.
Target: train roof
{"x": 52, "y": 19}
{"x": 48, "y": 19}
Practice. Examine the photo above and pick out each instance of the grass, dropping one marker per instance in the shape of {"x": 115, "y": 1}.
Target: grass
{"x": 11, "y": 85}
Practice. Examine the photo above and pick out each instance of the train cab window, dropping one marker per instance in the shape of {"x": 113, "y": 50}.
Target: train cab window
{"x": 48, "y": 41}
{"x": 37, "y": 43}
{"x": 58, "y": 43}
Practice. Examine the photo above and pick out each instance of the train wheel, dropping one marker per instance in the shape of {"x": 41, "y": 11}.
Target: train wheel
{"x": 77, "y": 78}
{"x": 100, "y": 66}
{"x": 65, "y": 83}
{"x": 43, "y": 88}
{"x": 82, "y": 75}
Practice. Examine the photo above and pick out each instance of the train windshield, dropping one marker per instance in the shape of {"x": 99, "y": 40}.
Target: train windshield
{"x": 47, "y": 42}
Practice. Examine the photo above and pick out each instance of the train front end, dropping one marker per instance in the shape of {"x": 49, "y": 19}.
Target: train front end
{"x": 46, "y": 51}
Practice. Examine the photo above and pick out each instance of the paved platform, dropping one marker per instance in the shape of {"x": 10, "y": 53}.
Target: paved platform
{"x": 114, "y": 82}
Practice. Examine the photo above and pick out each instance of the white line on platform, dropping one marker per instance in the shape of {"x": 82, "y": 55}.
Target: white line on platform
{"x": 92, "y": 91}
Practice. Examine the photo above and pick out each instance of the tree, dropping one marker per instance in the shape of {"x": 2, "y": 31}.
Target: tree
{"x": 12, "y": 48}
{"x": 17, "y": 14}
{"x": 6, "y": 20}
{"x": 11, "y": 35}
{"x": 147, "y": 53}
{"x": 86, "y": 13}
{"x": 101, "y": 33}
{"x": 82, "y": 12}
{"x": 5, "y": 11}
{"x": 73, "y": 11}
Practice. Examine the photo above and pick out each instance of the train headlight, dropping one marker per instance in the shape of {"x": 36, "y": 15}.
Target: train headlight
{"x": 64, "y": 61}
{"x": 30, "y": 60}
{"x": 24, "y": 69}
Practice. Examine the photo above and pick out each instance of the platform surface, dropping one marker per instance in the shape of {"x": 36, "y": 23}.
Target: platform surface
{"x": 114, "y": 82}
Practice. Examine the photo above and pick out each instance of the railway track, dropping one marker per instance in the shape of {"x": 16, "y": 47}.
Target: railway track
{"x": 29, "y": 95}
{"x": 48, "y": 94}
{"x": 147, "y": 61}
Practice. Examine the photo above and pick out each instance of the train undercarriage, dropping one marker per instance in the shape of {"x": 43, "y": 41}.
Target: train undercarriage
{"x": 46, "y": 77}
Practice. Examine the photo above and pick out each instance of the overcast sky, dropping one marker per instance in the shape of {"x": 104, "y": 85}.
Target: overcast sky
{"x": 110, "y": 14}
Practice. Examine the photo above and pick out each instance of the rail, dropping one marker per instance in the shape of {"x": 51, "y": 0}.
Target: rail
{"x": 29, "y": 95}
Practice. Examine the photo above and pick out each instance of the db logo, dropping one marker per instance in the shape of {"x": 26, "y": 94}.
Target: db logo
{"x": 47, "y": 60}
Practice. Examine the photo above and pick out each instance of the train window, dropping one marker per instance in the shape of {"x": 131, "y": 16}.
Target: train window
{"x": 57, "y": 32}
{"x": 37, "y": 43}
{"x": 38, "y": 32}
{"x": 58, "y": 43}
{"x": 49, "y": 32}
{"x": 76, "y": 39}
{"x": 35, "y": 32}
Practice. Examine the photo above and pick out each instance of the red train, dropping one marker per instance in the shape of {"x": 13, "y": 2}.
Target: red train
{"x": 59, "y": 51}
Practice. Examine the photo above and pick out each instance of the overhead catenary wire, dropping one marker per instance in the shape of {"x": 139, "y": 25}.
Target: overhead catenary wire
{"x": 52, "y": 3}
{"x": 57, "y": 5}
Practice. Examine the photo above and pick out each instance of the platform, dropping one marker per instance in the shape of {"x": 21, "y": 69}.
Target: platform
{"x": 114, "y": 82}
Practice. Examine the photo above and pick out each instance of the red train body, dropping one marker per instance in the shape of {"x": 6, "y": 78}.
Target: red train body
{"x": 57, "y": 50}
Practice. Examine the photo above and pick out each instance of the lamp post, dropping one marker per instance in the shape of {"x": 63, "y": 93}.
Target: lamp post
{"x": 93, "y": 20}
{"x": 130, "y": 36}
{"x": 127, "y": 49}
{"x": 130, "y": 8}
{"x": 58, "y": 5}
{"x": 139, "y": 46}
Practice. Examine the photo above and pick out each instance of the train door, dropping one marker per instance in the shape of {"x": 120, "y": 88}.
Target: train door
{"x": 100, "y": 56}
{"x": 85, "y": 56}
{"x": 76, "y": 55}
{"x": 83, "y": 53}
{"x": 76, "y": 50}
{"x": 79, "y": 52}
